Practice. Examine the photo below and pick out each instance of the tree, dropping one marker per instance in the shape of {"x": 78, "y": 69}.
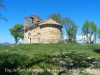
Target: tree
{"x": 17, "y": 31}
{"x": 2, "y": 6}
{"x": 89, "y": 30}
{"x": 98, "y": 32}
{"x": 93, "y": 32}
{"x": 71, "y": 29}
{"x": 86, "y": 30}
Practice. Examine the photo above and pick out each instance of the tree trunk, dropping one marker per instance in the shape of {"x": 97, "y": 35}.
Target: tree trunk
{"x": 87, "y": 39}
{"x": 16, "y": 41}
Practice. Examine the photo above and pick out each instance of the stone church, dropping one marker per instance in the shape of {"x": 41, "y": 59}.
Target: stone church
{"x": 38, "y": 31}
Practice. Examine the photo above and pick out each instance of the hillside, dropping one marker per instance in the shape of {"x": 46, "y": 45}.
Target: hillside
{"x": 6, "y": 43}
{"x": 35, "y": 56}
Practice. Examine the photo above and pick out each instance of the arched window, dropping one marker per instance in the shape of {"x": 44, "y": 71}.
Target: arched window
{"x": 31, "y": 21}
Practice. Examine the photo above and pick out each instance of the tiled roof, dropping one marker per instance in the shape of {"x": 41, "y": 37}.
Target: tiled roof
{"x": 49, "y": 21}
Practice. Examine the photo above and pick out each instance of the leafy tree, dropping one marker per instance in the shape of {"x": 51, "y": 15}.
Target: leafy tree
{"x": 89, "y": 29}
{"x": 2, "y": 6}
{"x": 86, "y": 30}
{"x": 17, "y": 31}
{"x": 71, "y": 29}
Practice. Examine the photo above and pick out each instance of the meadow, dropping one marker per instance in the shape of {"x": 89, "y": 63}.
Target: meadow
{"x": 40, "y": 55}
{"x": 32, "y": 49}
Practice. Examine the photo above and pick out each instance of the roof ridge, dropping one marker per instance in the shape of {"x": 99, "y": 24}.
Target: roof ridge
{"x": 49, "y": 21}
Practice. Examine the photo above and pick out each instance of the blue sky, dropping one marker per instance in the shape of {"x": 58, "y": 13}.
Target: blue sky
{"x": 77, "y": 10}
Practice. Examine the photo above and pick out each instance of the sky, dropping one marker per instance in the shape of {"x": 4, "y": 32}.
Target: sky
{"x": 77, "y": 10}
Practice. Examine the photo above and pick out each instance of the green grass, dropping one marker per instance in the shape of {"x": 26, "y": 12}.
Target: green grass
{"x": 31, "y": 49}
{"x": 40, "y": 55}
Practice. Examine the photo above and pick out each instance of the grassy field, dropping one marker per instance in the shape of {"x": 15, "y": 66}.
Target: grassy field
{"x": 41, "y": 55}
{"x": 31, "y": 49}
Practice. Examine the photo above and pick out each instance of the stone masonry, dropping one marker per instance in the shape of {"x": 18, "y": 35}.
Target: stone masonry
{"x": 38, "y": 31}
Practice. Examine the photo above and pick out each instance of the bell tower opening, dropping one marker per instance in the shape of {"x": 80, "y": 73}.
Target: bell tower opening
{"x": 31, "y": 21}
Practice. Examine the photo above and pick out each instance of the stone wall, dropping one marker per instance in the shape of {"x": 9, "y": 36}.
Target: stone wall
{"x": 42, "y": 35}
{"x": 50, "y": 35}
{"x": 35, "y": 21}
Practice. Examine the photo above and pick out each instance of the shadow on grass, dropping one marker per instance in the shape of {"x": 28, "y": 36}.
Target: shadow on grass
{"x": 94, "y": 48}
{"x": 97, "y": 50}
